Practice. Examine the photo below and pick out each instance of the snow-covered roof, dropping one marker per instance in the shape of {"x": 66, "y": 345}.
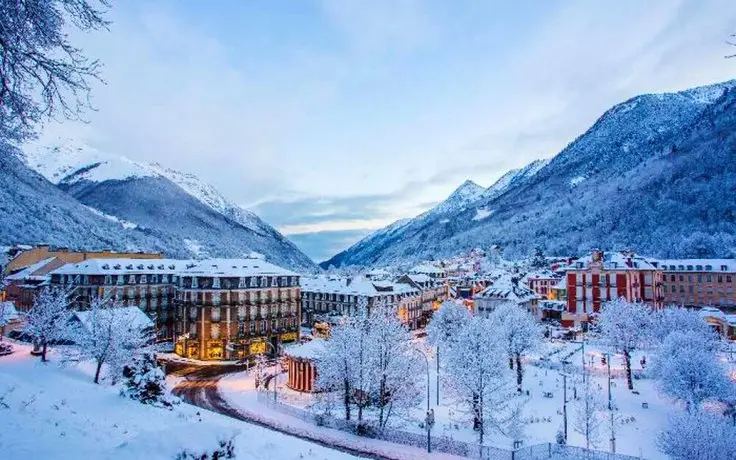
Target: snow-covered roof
{"x": 8, "y": 311}
{"x": 729, "y": 319}
{"x": 354, "y": 286}
{"x": 427, "y": 269}
{"x": 419, "y": 277}
{"x": 234, "y": 267}
{"x": 699, "y": 265}
{"x": 542, "y": 274}
{"x": 123, "y": 266}
{"x": 30, "y": 271}
{"x": 562, "y": 284}
{"x": 309, "y": 350}
{"x": 134, "y": 316}
{"x": 504, "y": 288}
{"x": 615, "y": 260}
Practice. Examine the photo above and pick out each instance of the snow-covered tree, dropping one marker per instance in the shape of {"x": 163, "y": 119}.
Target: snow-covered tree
{"x": 446, "y": 322}
{"x": 538, "y": 260}
{"x": 521, "y": 334}
{"x": 47, "y": 320}
{"x": 698, "y": 435}
{"x": 42, "y": 75}
{"x": 587, "y": 418}
{"x": 5, "y": 313}
{"x": 145, "y": 382}
{"x": 394, "y": 365}
{"x": 624, "y": 328}
{"x": 688, "y": 369}
{"x": 478, "y": 376}
{"x": 108, "y": 335}
{"x": 677, "y": 319}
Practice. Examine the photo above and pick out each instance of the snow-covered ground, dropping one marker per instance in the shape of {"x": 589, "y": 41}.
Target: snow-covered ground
{"x": 58, "y": 413}
{"x": 636, "y": 426}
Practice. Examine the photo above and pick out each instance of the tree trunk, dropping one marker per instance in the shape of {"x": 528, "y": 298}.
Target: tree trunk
{"x": 346, "y": 399}
{"x": 627, "y": 360}
{"x": 519, "y": 373}
{"x": 511, "y": 362}
{"x": 43, "y": 351}
{"x": 476, "y": 413}
{"x": 97, "y": 371}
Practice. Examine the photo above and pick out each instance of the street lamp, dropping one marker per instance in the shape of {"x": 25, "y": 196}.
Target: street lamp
{"x": 276, "y": 374}
{"x": 429, "y": 418}
{"x": 610, "y": 404}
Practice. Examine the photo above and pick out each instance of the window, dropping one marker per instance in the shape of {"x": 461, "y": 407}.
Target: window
{"x": 709, "y": 267}
{"x": 144, "y": 279}
{"x": 253, "y": 281}
{"x": 215, "y": 331}
{"x": 720, "y": 278}
{"x": 131, "y": 279}
{"x": 154, "y": 279}
{"x": 108, "y": 279}
{"x": 708, "y": 278}
{"x": 252, "y": 327}
{"x": 195, "y": 284}
{"x": 682, "y": 288}
{"x": 724, "y": 268}
{"x": 690, "y": 289}
{"x": 700, "y": 278}
{"x": 699, "y": 268}
{"x": 664, "y": 289}
{"x": 241, "y": 313}
{"x": 689, "y": 278}
{"x": 215, "y": 298}
{"x": 215, "y": 314}
{"x": 241, "y": 329}
{"x": 192, "y": 313}
{"x": 728, "y": 278}
{"x": 216, "y": 283}
{"x": 672, "y": 277}
{"x": 165, "y": 279}
{"x": 241, "y": 282}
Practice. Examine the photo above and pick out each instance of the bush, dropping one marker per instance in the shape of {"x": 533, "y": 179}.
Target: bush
{"x": 145, "y": 382}
{"x": 226, "y": 449}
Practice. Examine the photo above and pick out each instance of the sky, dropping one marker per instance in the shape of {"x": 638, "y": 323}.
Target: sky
{"x": 333, "y": 118}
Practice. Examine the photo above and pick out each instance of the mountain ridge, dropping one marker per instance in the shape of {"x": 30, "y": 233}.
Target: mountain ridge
{"x": 629, "y": 147}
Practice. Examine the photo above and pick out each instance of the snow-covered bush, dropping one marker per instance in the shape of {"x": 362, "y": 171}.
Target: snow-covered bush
{"x": 145, "y": 382}
{"x": 226, "y": 449}
{"x": 698, "y": 435}
{"x": 625, "y": 327}
{"x": 446, "y": 322}
{"x": 677, "y": 319}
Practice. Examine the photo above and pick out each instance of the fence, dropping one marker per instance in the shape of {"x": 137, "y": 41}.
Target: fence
{"x": 443, "y": 443}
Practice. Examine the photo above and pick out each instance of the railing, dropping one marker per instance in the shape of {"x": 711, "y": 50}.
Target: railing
{"x": 443, "y": 443}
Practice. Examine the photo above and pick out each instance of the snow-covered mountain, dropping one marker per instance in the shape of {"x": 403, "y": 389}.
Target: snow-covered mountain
{"x": 656, "y": 173}
{"x": 192, "y": 217}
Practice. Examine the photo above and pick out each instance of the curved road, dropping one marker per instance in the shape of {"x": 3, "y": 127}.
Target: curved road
{"x": 200, "y": 389}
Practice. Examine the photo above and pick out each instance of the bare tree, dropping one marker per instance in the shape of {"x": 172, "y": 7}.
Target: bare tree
{"x": 732, "y": 43}
{"x": 42, "y": 74}
{"x": 588, "y": 408}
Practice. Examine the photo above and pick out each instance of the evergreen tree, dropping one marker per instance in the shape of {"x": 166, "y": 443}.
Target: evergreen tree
{"x": 145, "y": 382}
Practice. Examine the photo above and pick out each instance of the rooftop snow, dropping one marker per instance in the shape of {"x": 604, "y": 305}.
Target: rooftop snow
{"x": 691, "y": 265}
{"x": 135, "y": 318}
{"x": 28, "y": 272}
{"x": 123, "y": 266}
{"x": 235, "y": 267}
{"x": 309, "y": 350}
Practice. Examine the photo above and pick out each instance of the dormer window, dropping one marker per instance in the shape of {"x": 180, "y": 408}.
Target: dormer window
{"x": 689, "y": 268}
{"x": 131, "y": 279}
{"x": 724, "y": 268}
{"x": 121, "y": 279}
{"x": 116, "y": 266}
{"x": 253, "y": 281}
{"x": 699, "y": 268}
{"x": 150, "y": 267}
{"x": 144, "y": 279}
{"x": 108, "y": 279}
{"x": 129, "y": 267}
{"x": 709, "y": 267}
{"x": 216, "y": 283}
{"x": 195, "y": 283}
{"x": 106, "y": 267}
{"x": 140, "y": 267}
{"x": 681, "y": 267}
{"x": 241, "y": 282}
{"x": 154, "y": 279}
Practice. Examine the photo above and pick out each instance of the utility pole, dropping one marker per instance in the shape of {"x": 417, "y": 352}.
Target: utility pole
{"x": 610, "y": 404}
{"x": 583, "y": 353}
{"x": 438, "y": 375}
{"x": 564, "y": 404}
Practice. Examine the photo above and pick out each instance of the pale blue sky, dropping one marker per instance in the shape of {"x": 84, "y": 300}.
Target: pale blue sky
{"x": 332, "y": 118}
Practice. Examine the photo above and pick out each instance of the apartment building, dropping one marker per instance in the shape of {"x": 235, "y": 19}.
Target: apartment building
{"x": 149, "y": 284}
{"x": 603, "y": 276}
{"x": 699, "y": 282}
{"x": 235, "y": 309}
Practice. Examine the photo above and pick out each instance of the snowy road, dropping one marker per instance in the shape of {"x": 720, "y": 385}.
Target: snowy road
{"x": 199, "y": 388}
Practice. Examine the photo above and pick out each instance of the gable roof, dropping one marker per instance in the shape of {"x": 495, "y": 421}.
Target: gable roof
{"x": 505, "y": 288}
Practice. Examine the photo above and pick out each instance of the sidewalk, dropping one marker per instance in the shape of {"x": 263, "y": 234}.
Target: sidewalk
{"x": 239, "y": 392}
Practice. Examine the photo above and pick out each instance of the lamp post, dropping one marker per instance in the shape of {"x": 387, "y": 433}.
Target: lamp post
{"x": 429, "y": 418}
{"x": 610, "y": 404}
{"x": 564, "y": 404}
{"x": 276, "y": 374}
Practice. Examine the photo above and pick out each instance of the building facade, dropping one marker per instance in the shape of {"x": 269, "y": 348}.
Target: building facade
{"x": 327, "y": 298}
{"x": 700, "y": 282}
{"x": 506, "y": 289}
{"x": 604, "y": 276}
{"x": 236, "y": 309}
{"x": 542, "y": 282}
{"x": 147, "y": 284}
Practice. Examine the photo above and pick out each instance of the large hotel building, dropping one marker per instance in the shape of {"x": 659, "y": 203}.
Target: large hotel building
{"x": 235, "y": 308}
